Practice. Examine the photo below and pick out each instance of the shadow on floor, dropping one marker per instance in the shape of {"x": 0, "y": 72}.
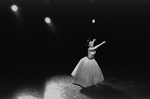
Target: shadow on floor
{"x": 103, "y": 92}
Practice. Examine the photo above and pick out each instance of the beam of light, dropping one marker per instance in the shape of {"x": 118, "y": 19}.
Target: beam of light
{"x": 47, "y": 20}
{"x": 52, "y": 27}
{"x": 14, "y": 8}
{"x": 53, "y": 91}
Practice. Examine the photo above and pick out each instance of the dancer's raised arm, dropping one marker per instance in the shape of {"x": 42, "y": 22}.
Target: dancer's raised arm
{"x": 95, "y": 47}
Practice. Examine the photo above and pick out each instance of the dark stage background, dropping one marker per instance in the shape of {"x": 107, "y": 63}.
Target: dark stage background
{"x": 31, "y": 51}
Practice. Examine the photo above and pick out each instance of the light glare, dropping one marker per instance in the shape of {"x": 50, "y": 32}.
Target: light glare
{"x": 93, "y": 21}
{"x": 47, "y": 20}
{"x": 53, "y": 91}
{"x": 14, "y": 8}
{"x": 27, "y": 97}
{"x": 26, "y": 94}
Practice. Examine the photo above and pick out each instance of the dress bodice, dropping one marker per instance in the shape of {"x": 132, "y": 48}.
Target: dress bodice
{"x": 91, "y": 54}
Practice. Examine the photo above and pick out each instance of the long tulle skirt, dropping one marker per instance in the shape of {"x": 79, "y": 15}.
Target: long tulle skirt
{"x": 87, "y": 73}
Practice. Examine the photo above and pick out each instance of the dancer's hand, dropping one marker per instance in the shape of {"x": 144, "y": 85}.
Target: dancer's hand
{"x": 94, "y": 40}
{"x": 104, "y": 41}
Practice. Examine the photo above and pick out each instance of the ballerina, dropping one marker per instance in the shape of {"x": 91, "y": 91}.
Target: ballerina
{"x": 87, "y": 72}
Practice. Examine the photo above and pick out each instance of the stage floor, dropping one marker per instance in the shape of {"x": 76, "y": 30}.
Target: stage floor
{"x": 61, "y": 87}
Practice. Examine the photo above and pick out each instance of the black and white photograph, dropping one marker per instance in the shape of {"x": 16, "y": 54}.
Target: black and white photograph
{"x": 74, "y": 49}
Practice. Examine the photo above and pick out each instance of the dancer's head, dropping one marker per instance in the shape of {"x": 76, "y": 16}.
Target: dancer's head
{"x": 91, "y": 44}
{"x": 90, "y": 41}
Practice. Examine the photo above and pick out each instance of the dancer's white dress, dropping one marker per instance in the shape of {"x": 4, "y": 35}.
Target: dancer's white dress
{"x": 87, "y": 72}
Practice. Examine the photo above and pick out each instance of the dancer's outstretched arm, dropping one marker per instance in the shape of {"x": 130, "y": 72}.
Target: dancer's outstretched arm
{"x": 95, "y": 47}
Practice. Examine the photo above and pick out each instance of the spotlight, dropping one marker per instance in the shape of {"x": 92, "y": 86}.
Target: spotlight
{"x": 47, "y": 20}
{"x": 14, "y": 8}
{"x": 93, "y": 21}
